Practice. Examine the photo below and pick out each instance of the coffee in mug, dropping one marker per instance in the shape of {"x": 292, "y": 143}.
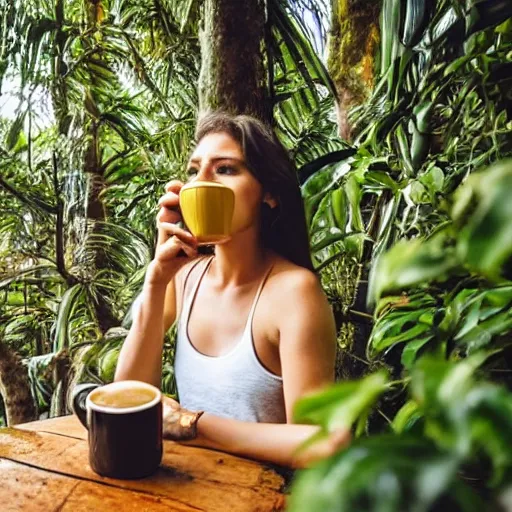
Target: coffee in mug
{"x": 124, "y": 420}
{"x": 207, "y": 208}
{"x": 122, "y": 398}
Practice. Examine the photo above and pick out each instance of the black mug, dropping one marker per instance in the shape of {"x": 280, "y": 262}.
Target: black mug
{"x": 125, "y": 439}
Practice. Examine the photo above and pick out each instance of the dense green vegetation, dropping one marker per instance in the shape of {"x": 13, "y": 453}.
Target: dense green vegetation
{"x": 422, "y": 207}
{"x": 411, "y": 223}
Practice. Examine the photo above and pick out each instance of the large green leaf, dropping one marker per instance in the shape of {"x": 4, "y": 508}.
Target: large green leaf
{"x": 485, "y": 241}
{"x": 406, "y": 417}
{"x": 403, "y": 326}
{"x": 62, "y": 325}
{"x": 342, "y": 404}
{"x": 417, "y": 13}
{"x": 413, "y": 262}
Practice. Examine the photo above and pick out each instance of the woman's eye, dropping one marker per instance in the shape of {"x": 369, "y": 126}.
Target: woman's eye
{"x": 192, "y": 171}
{"x": 225, "y": 169}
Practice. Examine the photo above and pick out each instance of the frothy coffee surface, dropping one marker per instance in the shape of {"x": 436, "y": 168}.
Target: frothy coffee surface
{"x": 123, "y": 398}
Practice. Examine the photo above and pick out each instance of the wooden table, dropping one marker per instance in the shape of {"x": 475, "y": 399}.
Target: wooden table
{"x": 44, "y": 467}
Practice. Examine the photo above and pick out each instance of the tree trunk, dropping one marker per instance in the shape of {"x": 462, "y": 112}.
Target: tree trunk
{"x": 61, "y": 376}
{"x": 15, "y": 388}
{"x": 96, "y": 182}
{"x": 352, "y": 46}
{"x": 232, "y": 73}
{"x": 96, "y": 210}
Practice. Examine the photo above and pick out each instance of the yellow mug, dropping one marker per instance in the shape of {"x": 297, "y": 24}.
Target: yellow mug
{"x": 207, "y": 210}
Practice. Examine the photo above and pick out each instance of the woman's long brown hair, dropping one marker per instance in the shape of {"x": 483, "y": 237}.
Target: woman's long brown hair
{"x": 284, "y": 227}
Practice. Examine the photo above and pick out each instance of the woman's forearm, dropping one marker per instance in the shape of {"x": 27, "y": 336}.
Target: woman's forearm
{"x": 272, "y": 442}
{"x": 141, "y": 354}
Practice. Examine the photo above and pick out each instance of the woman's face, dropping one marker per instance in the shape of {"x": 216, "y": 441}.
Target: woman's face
{"x": 219, "y": 158}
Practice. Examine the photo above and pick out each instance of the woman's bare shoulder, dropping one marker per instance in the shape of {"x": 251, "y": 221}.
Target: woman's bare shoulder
{"x": 293, "y": 282}
{"x": 297, "y": 302}
{"x": 285, "y": 272}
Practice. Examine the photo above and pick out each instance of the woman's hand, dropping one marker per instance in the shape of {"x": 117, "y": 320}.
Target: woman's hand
{"x": 175, "y": 246}
{"x": 332, "y": 444}
{"x": 179, "y": 424}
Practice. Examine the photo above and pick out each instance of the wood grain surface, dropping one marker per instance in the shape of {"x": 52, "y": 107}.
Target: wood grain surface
{"x": 44, "y": 467}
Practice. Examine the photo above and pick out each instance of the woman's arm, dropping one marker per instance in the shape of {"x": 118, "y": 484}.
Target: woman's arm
{"x": 272, "y": 442}
{"x": 307, "y": 339}
{"x": 141, "y": 354}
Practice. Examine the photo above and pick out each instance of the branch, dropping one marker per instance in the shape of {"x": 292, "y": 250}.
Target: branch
{"x": 134, "y": 202}
{"x": 113, "y": 158}
{"x": 27, "y": 198}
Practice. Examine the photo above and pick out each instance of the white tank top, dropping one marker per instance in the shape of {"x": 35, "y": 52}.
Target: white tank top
{"x": 235, "y": 385}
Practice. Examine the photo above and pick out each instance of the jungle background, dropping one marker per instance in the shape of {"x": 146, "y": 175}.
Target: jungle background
{"x": 398, "y": 115}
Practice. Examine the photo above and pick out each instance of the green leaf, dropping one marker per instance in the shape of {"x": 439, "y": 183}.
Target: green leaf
{"x": 436, "y": 382}
{"x": 478, "y": 336}
{"x": 484, "y": 209}
{"x": 326, "y": 237}
{"x": 305, "y": 57}
{"x": 405, "y": 152}
{"x": 186, "y": 14}
{"x": 454, "y": 66}
{"x": 107, "y": 363}
{"x": 455, "y": 308}
{"x": 339, "y": 207}
{"x": 413, "y": 262}
{"x": 390, "y": 46}
{"x": 411, "y": 350}
{"x": 322, "y": 182}
{"x": 390, "y": 331}
{"x": 15, "y": 130}
{"x": 407, "y": 415}
{"x": 433, "y": 180}
{"x": 381, "y": 178}
{"x": 466, "y": 416}
{"x": 416, "y": 17}
{"x": 354, "y": 244}
{"x": 354, "y": 193}
{"x": 341, "y": 404}
{"x": 416, "y": 193}
{"x": 62, "y": 325}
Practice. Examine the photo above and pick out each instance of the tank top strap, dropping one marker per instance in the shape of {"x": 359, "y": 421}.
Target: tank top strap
{"x": 248, "y": 325}
{"x": 188, "y": 298}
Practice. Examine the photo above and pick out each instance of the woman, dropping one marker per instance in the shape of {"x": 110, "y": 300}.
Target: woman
{"x": 255, "y": 331}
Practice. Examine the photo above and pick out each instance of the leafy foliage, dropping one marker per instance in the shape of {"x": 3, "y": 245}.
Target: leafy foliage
{"x": 418, "y": 468}
{"x": 423, "y": 197}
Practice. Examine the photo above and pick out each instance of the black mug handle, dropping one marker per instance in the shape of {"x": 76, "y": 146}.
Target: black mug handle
{"x": 79, "y": 396}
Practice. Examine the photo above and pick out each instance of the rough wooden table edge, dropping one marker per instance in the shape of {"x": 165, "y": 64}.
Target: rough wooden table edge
{"x": 263, "y": 487}
{"x": 79, "y": 482}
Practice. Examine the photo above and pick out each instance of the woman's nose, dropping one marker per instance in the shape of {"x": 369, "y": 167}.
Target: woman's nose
{"x": 205, "y": 174}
